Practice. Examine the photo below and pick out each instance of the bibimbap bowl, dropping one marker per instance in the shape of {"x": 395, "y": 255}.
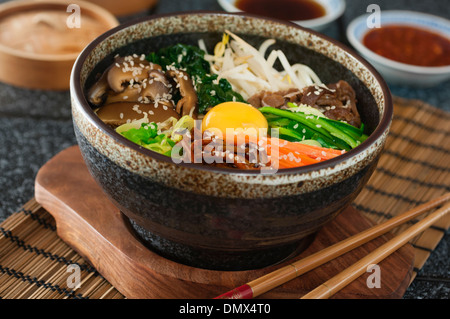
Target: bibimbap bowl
{"x": 214, "y": 217}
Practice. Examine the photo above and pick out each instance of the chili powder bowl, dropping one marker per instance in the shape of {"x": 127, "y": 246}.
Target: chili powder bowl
{"x": 393, "y": 71}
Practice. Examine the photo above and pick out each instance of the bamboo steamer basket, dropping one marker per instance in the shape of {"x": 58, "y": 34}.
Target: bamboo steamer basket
{"x": 126, "y": 8}
{"x": 45, "y": 71}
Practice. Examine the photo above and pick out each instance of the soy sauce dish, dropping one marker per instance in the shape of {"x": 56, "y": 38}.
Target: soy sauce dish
{"x": 314, "y": 14}
{"x": 136, "y": 85}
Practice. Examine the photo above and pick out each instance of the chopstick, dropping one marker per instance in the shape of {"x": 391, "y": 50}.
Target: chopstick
{"x": 333, "y": 285}
{"x": 278, "y": 277}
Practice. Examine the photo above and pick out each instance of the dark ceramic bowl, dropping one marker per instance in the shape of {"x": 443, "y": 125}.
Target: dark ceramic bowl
{"x": 218, "y": 218}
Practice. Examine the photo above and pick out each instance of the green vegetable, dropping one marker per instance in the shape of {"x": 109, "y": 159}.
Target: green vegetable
{"x": 356, "y": 133}
{"x": 210, "y": 91}
{"x": 181, "y": 56}
{"x": 298, "y": 126}
{"x": 311, "y": 142}
{"x": 186, "y": 123}
{"x": 147, "y": 136}
{"x": 289, "y": 135}
{"x": 295, "y": 132}
{"x": 161, "y": 144}
{"x": 143, "y": 135}
{"x": 306, "y": 109}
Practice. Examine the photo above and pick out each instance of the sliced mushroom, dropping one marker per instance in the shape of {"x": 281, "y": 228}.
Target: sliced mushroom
{"x": 130, "y": 94}
{"x": 157, "y": 87}
{"x": 187, "y": 104}
{"x": 98, "y": 91}
{"x": 158, "y": 75}
{"x": 126, "y": 70}
{"x": 116, "y": 114}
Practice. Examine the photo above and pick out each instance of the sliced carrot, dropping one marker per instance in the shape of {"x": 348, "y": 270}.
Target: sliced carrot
{"x": 310, "y": 150}
{"x": 285, "y": 154}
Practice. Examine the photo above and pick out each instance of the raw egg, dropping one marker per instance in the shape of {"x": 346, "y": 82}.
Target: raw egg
{"x": 235, "y": 118}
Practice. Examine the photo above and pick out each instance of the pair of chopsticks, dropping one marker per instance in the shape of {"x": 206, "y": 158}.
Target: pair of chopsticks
{"x": 278, "y": 277}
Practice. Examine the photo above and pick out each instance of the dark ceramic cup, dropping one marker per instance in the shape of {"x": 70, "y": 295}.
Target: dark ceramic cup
{"x": 216, "y": 218}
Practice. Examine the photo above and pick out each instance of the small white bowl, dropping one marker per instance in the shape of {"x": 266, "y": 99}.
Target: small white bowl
{"x": 396, "y": 72}
{"x": 333, "y": 10}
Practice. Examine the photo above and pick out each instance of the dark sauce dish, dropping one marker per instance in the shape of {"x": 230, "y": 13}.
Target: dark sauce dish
{"x": 218, "y": 218}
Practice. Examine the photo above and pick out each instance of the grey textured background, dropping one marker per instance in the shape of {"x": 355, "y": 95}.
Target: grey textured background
{"x": 36, "y": 125}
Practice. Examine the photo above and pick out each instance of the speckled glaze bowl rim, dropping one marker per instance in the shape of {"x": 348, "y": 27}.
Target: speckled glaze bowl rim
{"x": 79, "y": 94}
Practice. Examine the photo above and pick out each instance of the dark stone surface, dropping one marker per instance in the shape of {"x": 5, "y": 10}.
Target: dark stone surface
{"x": 36, "y": 125}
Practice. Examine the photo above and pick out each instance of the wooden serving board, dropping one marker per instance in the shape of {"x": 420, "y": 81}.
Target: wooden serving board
{"x": 88, "y": 222}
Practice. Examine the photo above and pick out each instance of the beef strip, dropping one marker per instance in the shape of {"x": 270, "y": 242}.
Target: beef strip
{"x": 275, "y": 99}
{"x": 337, "y": 101}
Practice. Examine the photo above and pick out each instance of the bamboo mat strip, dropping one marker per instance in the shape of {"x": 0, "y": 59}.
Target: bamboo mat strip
{"x": 413, "y": 169}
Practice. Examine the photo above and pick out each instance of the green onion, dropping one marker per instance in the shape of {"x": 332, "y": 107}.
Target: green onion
{"x": 330, "y": 133}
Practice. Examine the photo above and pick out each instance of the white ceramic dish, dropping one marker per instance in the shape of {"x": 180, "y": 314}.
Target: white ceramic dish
{"x": 396, "y": 72}
{"x": 334, "y": 9}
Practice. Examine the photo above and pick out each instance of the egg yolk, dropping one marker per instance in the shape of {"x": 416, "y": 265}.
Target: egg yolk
{"x": 236, "y": 117}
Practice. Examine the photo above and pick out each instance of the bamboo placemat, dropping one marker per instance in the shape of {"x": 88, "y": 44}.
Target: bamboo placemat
{"x": 414, "y": 168}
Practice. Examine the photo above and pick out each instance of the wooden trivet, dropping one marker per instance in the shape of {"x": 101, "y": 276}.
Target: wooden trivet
{"x": 88, "y": 222}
